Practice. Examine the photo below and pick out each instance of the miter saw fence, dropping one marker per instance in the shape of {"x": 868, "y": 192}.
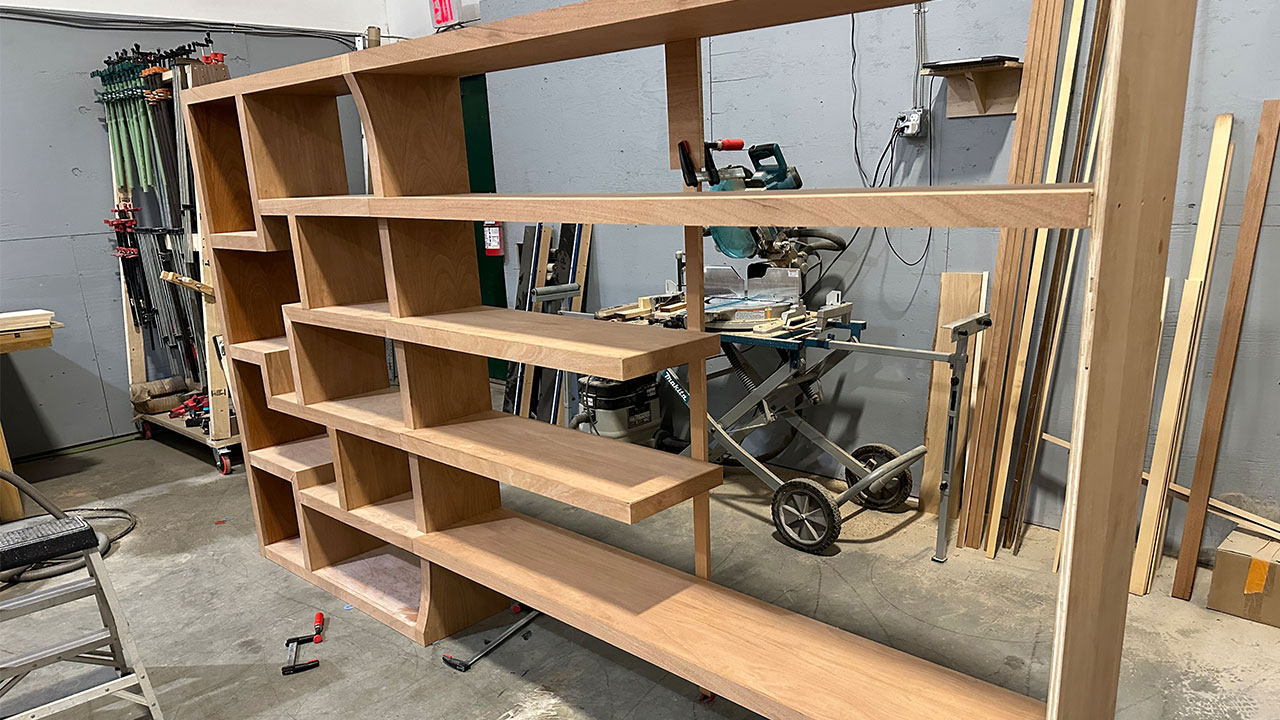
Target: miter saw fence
{"x": 780, "y": 247}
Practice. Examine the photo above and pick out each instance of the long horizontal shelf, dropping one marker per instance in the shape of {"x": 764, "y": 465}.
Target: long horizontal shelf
{"x": 1062, "y": 205}
{"x": 618, "y": 480}
{"x": 391, "y": 520}
{"x": 613, "y": 350}
{"x": 287, "y": 460}
{"x": 579, "y": 30}
{"x": 780, "y": 664}
{"x": 376, "y": 416}
{"x": 622, "y": 481}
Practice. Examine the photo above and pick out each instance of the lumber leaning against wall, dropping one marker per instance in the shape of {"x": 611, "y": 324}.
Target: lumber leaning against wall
{"x": 1224, "y": 363}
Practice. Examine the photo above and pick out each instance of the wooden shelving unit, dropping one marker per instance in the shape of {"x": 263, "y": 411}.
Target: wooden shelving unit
{"x": 387, "y": 495}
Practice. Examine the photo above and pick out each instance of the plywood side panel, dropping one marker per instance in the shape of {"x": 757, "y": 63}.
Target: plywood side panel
{"x": 438, "y": 385}
{"x": 430, "y": 266}
{"x": 339, "y": 261}
{"x": 413, "y": 127}
{"x": 367, "y": 472}
{"x": 446, "y": 495}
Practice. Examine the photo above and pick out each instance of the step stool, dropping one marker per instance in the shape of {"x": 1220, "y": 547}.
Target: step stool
{"x": 111, "y": 646}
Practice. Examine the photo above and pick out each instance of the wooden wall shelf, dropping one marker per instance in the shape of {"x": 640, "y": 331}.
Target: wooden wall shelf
{"x": 402, "y": 517}
{"x": 980, "y": 88}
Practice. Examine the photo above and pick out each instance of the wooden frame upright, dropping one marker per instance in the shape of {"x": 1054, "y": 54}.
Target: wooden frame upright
{"x": 388, "y": 496}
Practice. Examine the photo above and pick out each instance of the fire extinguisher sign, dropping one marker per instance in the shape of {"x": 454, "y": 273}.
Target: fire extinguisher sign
{"x": 492, "y": 238}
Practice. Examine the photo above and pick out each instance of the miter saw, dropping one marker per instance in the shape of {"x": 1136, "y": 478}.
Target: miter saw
{"x": 775, "y": 284}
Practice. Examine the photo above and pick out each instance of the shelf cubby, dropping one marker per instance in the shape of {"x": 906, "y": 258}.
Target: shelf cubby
{"x": 332, "y": 364}
{"x": 339, "y": 261}
{"x": 227, "y": 204}
{"x": 274, "y": 506}
{"x": 260, "y": 425}
{"x": 368, "y": 472}
{"x": 251, "y": 288}
{"x": 294, "y": 145}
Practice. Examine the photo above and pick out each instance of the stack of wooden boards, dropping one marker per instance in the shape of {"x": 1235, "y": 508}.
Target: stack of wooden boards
{"x": 388, "y": 496}
{"x": 26, "y": 329}
{"x": 20, "y": 330}
{"x": 998, "y": 456}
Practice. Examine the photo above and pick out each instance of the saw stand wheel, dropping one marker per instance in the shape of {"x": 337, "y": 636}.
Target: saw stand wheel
{"x": 894, "y": 493}
{"x": 806, "y": 515}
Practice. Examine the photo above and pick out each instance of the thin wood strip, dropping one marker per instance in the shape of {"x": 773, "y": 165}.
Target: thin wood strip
{"x": 1012, "y": 261}
{"x": 1228, "y": 342}
{"x": 1246, "y": 520}
{"x": 1186, "y": 341}
{"x": 1057, "y": 142}
{"x": 538, "y": 269}
{"x": 1056, "y": 304}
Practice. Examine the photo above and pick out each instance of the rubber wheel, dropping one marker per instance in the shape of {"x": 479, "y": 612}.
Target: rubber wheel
{"x": 894, "y": 493}
{"x": 805, "y": 515}
{"x": 222, "y": 461}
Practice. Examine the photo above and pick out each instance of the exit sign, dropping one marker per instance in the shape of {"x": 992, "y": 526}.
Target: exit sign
{"x": 453, "y": 12}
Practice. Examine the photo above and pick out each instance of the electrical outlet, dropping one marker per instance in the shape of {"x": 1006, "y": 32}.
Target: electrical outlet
{"x": 914, "y": 123}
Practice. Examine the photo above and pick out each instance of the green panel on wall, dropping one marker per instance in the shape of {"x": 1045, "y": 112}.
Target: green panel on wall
{"x": 475, "y": 118}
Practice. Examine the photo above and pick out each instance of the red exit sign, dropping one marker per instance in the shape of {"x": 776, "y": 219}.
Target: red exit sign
{"x": 443, "y": 13}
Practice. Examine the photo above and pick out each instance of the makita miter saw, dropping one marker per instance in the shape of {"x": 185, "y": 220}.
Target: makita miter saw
{"x": 779, "y": 247}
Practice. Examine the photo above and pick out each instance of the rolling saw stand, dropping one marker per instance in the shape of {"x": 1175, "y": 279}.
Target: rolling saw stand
{"x": 807, "y": 515}
{"x": 767, "y": 310}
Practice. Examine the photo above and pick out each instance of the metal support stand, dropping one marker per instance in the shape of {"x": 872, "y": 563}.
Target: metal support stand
{"x": 465, "y": 665}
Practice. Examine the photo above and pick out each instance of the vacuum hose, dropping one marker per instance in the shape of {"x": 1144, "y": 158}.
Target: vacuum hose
{"x": 63, "y": 565}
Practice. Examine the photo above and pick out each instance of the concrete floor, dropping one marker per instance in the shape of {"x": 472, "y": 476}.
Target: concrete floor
{"x": 210, "y": 614}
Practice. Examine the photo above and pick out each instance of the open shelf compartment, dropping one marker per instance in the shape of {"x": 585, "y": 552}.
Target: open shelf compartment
{"x": 227, "y": 204}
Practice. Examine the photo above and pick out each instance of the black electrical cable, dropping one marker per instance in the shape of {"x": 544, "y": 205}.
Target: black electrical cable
{"x": 107, "y": 21}
{"x": 928, "y": 240}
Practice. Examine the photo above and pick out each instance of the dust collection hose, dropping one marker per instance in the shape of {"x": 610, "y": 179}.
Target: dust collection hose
{"x": 69, "y": 563}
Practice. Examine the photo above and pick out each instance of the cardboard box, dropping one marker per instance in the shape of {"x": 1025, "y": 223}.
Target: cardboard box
{"x": 1246, "y": 578}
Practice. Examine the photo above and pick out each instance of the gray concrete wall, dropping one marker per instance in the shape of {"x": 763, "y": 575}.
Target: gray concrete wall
{"x": 599, "y": 125}
{"x": 55, "y": 253}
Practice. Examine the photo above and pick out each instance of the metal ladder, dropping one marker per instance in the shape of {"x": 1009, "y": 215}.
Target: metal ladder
{"x": 111, "y": 646}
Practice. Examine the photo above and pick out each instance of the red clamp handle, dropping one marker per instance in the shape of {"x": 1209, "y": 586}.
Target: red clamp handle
{"x": 730, "y": 144}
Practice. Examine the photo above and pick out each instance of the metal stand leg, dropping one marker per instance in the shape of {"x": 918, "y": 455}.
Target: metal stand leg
{"x": 959, "y": 360}
{"x": 465, "y": 665}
